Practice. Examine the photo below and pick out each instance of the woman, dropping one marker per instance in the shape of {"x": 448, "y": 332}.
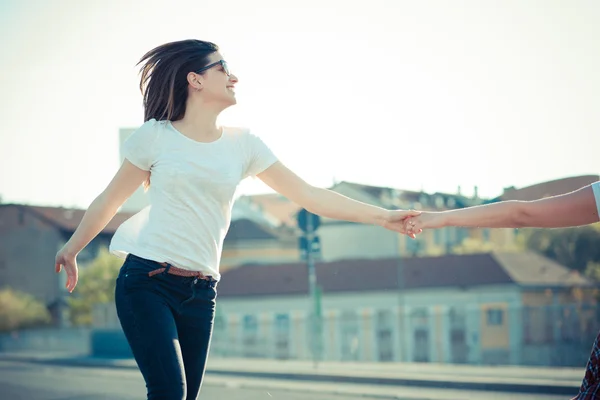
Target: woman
{"x": 166, "y": 289}
{"x": 581, "y": 207}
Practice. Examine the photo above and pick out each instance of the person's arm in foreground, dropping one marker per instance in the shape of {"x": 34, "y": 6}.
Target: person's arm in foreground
{"x": 577, "y": 208}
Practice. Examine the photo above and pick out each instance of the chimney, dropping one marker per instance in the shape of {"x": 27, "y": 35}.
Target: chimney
{"x": 476, "y": 192}
{"x": 458, "y": 191}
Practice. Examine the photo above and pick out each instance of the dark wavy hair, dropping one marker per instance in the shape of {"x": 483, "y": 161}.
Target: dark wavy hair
{"x": 164, "y": 70}
{"x": 163, "y": 81}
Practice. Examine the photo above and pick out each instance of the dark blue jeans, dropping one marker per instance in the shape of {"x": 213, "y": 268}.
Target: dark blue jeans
{"x": 168, "y": 322}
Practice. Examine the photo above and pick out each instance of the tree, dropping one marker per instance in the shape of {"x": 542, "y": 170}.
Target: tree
{"x": 593, "y": 271}
{"x": 574, "y": 248}
{"x": 96, "y": 286}
{"x": 20, "y": 310}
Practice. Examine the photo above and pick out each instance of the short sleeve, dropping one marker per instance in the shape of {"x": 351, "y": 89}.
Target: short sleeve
{"x": 140, "y": 147}
{"x": 596, "y": 189}
{"x": 259, "y": 156}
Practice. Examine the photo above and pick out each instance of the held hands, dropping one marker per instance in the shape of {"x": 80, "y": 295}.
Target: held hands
{"x": 68, "y": 261}
{"x": 399, "y": 221}
{"x": 412, "y": 223}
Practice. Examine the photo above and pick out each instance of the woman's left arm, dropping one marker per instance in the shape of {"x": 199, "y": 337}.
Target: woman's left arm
{"x": 328, "y": 203}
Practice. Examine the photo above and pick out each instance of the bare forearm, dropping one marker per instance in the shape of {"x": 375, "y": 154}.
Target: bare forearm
{"x": 572, "y": 209}
{"x": 509, "y": 214}
{"x": 330, "y": 204}
{"x": 97, "y": 216}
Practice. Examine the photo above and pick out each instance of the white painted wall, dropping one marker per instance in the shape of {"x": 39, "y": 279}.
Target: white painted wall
{"x": 366, "y": 305}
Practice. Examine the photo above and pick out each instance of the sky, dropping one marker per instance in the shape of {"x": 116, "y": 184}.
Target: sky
{"x": 428, "y": 95}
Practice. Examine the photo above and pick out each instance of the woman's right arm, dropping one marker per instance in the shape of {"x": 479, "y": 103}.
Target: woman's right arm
{"x": 572, "y": 209}
{"x": 104, "y": 207}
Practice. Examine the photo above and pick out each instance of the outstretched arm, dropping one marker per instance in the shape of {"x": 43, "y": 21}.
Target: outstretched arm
{"x": 98, "y": 215}
{"x": 325, "y": 202}
{"x": 577, "y": 208}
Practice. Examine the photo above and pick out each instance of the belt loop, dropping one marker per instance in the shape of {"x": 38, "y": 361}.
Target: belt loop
{"x": 166, "y": 271}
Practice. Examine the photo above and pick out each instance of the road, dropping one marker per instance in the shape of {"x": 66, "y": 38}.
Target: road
{"x": 29, "y": 381}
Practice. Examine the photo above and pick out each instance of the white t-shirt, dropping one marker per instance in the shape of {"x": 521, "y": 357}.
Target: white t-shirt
{"x": 596, "y": 189}
{"x": 192, "y": 185}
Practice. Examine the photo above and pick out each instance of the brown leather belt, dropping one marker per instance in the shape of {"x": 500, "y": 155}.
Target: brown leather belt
{"x": 180, "y": 272}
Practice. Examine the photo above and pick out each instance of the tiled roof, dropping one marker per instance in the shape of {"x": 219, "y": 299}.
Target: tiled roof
{"x": 246, "y": 229}
{"x": 531, "y": 269}
{"x": 383, "y": 274}
{"x": 66, "y": 219}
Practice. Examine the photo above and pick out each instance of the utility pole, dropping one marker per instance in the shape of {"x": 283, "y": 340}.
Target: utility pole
{"x": 310, "y": 248}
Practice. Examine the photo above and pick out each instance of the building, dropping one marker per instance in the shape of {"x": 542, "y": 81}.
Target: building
{"x": 491, "y": 308}
{"x": 488, "y": 308}
{"x": 250, "y": 242}
{"x": 30, "y": 237}
{"x": 342, "y": 240}
{"x": 375, "y": 242}
{"x": 262, "y": 232}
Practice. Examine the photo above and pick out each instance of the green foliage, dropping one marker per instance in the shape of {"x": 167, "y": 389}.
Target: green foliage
{"x": 20, "y": 310}
{"x": 96, "y": 285}
{"x": 592, "y": 271}
{"x": 574, "y": 248}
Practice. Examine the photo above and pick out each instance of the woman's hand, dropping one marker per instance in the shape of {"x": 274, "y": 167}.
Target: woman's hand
{"x": 427, "y": 220}
{"x": 397, "y": 220}
{"x": 67, "y": 260}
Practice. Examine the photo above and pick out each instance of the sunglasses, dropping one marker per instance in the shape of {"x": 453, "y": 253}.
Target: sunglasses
{"x": 223, "y": 64}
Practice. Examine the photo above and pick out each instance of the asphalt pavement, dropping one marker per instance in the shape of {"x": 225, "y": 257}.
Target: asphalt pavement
{"x": 33, "y": 381}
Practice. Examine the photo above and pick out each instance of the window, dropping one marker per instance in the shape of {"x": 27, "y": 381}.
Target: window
{"x": 538, "y": 325}
{"x": 282, "y": 323}
{"x": 282, "y": 336}
{"x": 495, "y": 317}
{"x": 350, "y": 338}
{"x": 421, "y": 345}
{"x": 250, "y": 324}
{"x": 458, "y": 316}
{"x": 250, "y": 336}
{"x": 569, "y": 322}
{"x": 385, "y": 339}
{"x": 420, "y": 325}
